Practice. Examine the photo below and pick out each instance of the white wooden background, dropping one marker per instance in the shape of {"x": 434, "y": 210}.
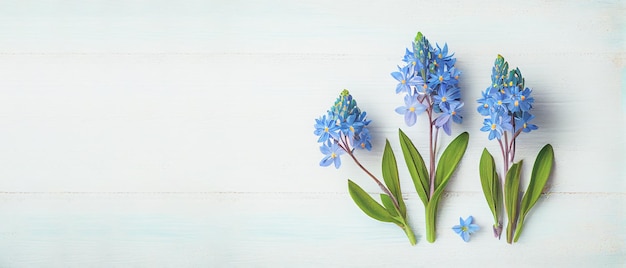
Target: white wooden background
{"x": 179, "y": 134}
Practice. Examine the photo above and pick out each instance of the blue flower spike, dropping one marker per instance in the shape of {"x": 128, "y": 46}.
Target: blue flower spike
{"x": 465, "y": 228}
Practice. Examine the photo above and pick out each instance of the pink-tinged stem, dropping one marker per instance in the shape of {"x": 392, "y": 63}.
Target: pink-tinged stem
{"x": 346, "y": 148}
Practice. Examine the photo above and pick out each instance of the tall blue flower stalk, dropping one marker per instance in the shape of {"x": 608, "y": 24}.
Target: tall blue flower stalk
{"x": 340, "y": 131}
{"x": 429, "y": 83}
{"x": 506, "y": 105}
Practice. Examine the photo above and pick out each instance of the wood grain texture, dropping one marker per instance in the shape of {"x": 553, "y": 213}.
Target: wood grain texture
{"x": 170, "y": 134}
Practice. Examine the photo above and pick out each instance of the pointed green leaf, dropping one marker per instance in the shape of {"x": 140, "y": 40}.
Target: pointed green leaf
{"x": 391, "y": 177}
{"x": 490, "y": 183}
{"x": 450, "y": 159}
{"x": 538, "y": 179}
{"x": 367, "y": 204}
{"x": 416, "y": 166}
{"x": 511, "y": 198}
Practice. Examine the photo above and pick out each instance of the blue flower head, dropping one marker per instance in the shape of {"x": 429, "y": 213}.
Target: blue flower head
{"x": 434, "y": 85}
{"x": 342, "y": 129}
{"x": 465, "y": 228}
{"x": 506, "y": 101}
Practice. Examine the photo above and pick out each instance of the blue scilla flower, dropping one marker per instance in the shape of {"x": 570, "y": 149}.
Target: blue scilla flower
{"x": 406, "y": 80}
{"x": 446, "y": 96}
{"x": 325, "y": 128}
{"x": 522, "y": 122}
{"x": 332, "y": 151}
{"x": 453, "y": 112}
{"x": 442, "y": 54}
{"x": 465, "y": 228}
{"x": 351, "y": 127}
{"x": 365, "y": 140}
{"x": 441, "y": 77}
{"x": 411, "y": 59}
{"x": 484, "y": 107}
{"x": 411, "y": 109}
{"x": 496, "y": 124}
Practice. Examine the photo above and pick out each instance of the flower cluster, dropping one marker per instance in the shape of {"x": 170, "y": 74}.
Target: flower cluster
{"x": 506, "y": 103}
{"x": 341, "y": 129}
{"x": 429, "y": 81}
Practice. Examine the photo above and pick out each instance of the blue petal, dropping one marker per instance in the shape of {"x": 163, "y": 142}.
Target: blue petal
{"x": 465, "y": 236}
{"x": 337, "y": 162}
{"x": 397, "y": 75}
{"x": 473, "y": 228}
{"x": 457, "y": 229}
{"x": 326, "y": 161}
{"x": 401, "y": 110}
{"x": 410, "y": 118}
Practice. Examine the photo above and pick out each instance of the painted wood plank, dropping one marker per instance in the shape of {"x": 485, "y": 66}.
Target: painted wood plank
{"x": 286, "y": 230}
{"x": 185, "y": 123}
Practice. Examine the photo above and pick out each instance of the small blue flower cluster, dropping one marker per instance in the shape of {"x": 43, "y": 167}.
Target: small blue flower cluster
{"x": 430, "y": 82}
{"x": 341, "y": 129}
{"x": 506, "y": 102}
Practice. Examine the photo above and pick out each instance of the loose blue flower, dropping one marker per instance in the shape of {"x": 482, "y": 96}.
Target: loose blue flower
{"x": 465, "y": 228}
{"x": 332, "y": 151}
{"x": 411, "y": 109}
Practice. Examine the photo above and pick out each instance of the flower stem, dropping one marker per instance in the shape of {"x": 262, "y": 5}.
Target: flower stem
{"x": 409, "y": 233}
{"x": 432, "y": 152}
{"x": 380, "y": 184}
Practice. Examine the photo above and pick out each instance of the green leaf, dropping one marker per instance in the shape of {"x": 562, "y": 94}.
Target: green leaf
{"x": 538, "y": 179}
{"x": 449, "y": 160}
{"x": 511, "y": 198}
{"x": 388, "y": 204}
{"x": 490, "y": 183}
{"x": 367, "y": 204}
{"x": 416, "y": 166}
{"x": 391, "y": 177}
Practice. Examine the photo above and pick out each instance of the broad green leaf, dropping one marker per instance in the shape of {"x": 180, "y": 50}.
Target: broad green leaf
{"x": 538, "y": 178}
{"x": 391, "y": 178}
{"x": 416, "y": 166}
{"x": 511, "y": 198}
{"x": 367, "y": 204}
{"x": 490, "y": 182}
{"x": 449, "y": 160}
